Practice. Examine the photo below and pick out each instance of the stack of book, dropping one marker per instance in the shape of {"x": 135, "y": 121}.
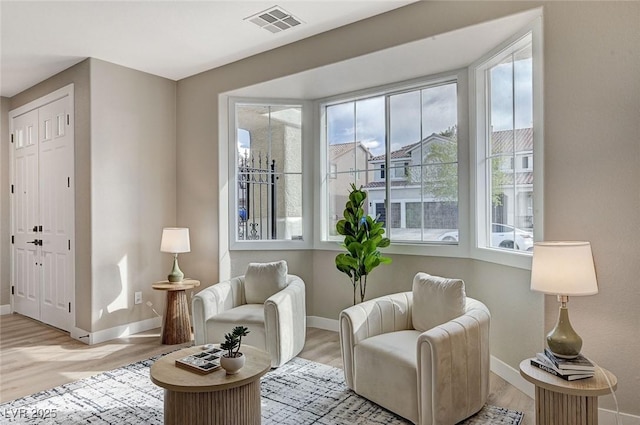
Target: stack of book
{"x": 567, "y": 369}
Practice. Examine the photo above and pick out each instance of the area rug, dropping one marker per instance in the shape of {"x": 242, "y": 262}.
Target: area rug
{"x": 299, "y": 393}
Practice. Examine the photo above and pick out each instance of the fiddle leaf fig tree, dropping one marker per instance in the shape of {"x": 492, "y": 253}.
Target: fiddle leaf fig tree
{"x": 363, "y": 236}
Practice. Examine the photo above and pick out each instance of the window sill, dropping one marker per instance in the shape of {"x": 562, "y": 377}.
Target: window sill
{"x": 514, "y": 259}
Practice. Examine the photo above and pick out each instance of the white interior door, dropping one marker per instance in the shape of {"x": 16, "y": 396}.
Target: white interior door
{"x": 56, "y": 213}
{"x": 26, "y": 269}
{"x": 43, "y": 270}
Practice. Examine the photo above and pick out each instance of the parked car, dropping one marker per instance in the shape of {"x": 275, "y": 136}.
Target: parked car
{"x": 502, "y": 236}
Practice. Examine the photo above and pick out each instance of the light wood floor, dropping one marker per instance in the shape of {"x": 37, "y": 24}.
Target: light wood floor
{"x": 35, "y": 357}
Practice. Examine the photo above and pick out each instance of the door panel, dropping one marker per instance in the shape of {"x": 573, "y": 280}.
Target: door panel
{"x": 56, "y": 213}
{"x": 25, "y": 215}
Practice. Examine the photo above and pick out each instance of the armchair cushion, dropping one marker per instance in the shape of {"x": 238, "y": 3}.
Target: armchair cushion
{"x": 439, "y": 300}
{"x": 262, "y": 280}
{"x": 386, "y": 371}
{"x": 249, "y": 315}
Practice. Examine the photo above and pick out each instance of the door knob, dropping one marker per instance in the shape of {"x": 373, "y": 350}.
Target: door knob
{"x": 36, "y": 242}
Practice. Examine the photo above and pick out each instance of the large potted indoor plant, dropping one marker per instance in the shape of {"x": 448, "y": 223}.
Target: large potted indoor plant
{"x": 233, "y": 360}
{"x": 363, "y": 236}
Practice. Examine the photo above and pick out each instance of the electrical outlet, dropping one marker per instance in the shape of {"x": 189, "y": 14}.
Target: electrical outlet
{"x": 137, "y": 298}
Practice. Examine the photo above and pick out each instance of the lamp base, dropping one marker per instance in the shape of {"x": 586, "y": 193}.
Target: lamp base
{"x": 176, "y": 274}
{"x": 563, "y": 341}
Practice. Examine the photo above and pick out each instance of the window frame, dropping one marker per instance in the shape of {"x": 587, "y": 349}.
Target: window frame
{"x": 478, "y": 122}
{"x": 426, "y": 248}
{"x": 232, "y": 165}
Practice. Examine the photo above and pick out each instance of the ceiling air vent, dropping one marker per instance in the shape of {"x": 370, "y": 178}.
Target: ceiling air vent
{"x": 274, "y": 20}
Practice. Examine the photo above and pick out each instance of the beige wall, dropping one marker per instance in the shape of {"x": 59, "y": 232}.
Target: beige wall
{"x": 79, "y": 76}
{"x": 592, "y": 156}
{"x": 125, "y": 147}
{"x": 133, "y": 190}
{"x": 5, "y": 248}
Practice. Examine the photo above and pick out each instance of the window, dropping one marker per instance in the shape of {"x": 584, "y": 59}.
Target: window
{"x": 505, "y": 148}
{"x": 268, "y": 191}
{"x": 409, "y": 134}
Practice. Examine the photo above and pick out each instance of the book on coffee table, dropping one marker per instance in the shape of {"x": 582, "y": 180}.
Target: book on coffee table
{"x": 202, "y": 362}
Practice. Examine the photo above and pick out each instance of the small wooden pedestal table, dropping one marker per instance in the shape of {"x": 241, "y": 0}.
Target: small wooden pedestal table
{"x": 176, "y": 328}
{"x": 560, "y": 402}
{"x": 214, "y": 398}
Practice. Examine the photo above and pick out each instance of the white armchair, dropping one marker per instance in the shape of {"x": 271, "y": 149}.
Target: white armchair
{"x": 423, "y": 354}
{"x": 274, "y": 313}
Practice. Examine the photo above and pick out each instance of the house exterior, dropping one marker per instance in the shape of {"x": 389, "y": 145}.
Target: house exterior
{"x": 423, "y": 184}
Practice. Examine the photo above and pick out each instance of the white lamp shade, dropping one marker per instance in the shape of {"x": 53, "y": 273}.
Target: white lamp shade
{"x": 175, "y": 240}
{"x": 563, "y": 268}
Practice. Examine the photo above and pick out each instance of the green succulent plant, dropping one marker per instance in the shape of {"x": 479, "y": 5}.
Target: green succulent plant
{"x": 363, "y": 236}
{"x": 233, "y": 340}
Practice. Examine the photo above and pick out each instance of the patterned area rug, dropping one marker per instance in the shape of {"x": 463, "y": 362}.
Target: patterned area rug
{"x": 298, "y": 393}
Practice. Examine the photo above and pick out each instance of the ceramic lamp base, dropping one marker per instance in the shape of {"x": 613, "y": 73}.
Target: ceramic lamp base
{"x": 563, "y": 341}
{"x": 176, "y": 275}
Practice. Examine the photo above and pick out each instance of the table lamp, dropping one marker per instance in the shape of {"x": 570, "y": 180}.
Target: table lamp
{"x": 175, "y": 240}
{"x": 563, "y": 269}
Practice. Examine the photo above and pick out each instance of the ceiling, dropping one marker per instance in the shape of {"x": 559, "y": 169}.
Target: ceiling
{"x": 173, "y": 39}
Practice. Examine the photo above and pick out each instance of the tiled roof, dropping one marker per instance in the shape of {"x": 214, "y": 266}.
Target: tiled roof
{"x": 342, "y": 148}
{"x": 524, "y": 177}
{"x": 502, "y": 141}
{"x": 405, "y": 151}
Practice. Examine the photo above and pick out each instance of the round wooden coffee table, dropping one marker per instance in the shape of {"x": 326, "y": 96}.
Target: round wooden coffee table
{"x": 215, "y": 398}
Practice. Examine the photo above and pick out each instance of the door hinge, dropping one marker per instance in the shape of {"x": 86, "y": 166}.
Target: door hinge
{"x": 69, "y": 244}
{"x": 11, "y": 188}
{"x": 12, "y": 138}
{"x": 68, "y": 119}
{"x": 69, "y": 307}
{"x": 13, "y": 290}
{"x": 13, "y": 239}
{"x": 68, "y": 181}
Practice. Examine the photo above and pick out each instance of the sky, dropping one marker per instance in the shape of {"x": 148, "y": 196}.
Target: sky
{"x": 417, "y": 114}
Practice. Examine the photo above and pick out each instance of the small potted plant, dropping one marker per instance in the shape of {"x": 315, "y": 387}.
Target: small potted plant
{"x": 233, "y": 360}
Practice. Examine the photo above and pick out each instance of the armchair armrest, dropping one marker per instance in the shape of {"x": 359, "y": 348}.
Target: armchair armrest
{"x": 370, "y": 318}
{"x": 453, "y": 367}
{"x": 285, "y": 321}
{"x": 214, "y": 300}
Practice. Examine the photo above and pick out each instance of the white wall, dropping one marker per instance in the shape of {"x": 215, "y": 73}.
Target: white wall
{"x": 133, "y": 190}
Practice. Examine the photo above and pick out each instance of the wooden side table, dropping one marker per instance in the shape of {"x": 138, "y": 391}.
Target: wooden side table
{"x": 215, "y": 398}
{"x": 560, "y": 402}
{"x": 176, "y": 327}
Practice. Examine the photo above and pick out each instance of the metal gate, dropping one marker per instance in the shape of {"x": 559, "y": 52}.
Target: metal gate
{"x": 257, "y": 201}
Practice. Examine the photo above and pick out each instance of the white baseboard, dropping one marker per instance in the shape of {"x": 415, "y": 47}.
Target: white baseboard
{"x": 322, "y": 323}
{"x": 503, "y": 370}
{"x": 512, "y": 376}
{"x": 116, "y": 332}
{"x": 609, "y": 417}
{"x": 5, "y": 309}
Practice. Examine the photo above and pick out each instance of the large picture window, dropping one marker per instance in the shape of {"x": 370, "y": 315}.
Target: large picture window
{"x": 401, "y": 147}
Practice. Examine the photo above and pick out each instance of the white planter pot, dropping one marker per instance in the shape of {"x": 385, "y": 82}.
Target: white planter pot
{"x": 232, "y": 364}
